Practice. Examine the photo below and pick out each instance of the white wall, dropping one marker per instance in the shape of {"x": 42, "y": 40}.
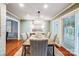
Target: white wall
{"x": 56, "y": 28}
{"x": 47, "y": 26}
{"x": 3, "y": 29}
{"x": 60, "y": 29}
{"x": 26, "y": 26}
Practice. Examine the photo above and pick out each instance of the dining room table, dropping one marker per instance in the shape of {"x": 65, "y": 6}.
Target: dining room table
{"x": 37, "y": 37}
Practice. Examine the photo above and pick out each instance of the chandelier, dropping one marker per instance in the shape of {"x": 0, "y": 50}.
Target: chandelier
{"x": 37, "y": 20}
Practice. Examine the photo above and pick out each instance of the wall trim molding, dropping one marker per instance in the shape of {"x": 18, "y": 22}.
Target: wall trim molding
{"x": 12, "y": 14}
{"x": 64, "y": 10}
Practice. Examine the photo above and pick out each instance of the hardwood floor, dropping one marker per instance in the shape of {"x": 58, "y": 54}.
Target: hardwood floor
{"x": 64, "y": 51}
{"x": 12, "y": 46}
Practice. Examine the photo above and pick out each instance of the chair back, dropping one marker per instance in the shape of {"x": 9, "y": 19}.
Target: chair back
{"x": 28, "y": 34}
{"x": 24, "y": 36}
{"x": 55, "y": 38}
{"x": 39, "y": 47}
{"x": 48, "y": 34}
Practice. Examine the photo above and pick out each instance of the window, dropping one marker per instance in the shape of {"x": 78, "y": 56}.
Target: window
{"x": 12, "y": 28}
{"x": 69, "y": 32}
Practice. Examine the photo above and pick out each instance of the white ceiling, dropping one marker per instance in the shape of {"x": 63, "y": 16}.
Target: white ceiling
{"x": 29, "y": 11}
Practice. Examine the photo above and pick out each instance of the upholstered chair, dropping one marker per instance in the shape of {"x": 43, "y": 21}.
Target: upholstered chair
{"x": 39, "y": 47}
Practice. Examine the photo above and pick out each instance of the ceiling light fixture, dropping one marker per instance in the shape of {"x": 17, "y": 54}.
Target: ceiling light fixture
{"x": 21, "y": 5}
{"x": 38, "y": 18}
{"x": 45, "y": 6}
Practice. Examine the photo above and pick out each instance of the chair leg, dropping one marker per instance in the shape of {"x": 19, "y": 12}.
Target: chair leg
{"x": 23, "y": 51}
{"x": 53, "y": 51}
{"x": 28, "y": 51}
{"x": 50, "y": 51}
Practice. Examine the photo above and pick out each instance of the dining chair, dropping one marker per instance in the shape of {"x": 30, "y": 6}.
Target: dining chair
{"x": 51, "y": 49}
{"x": 28, "y": 34}
{"x": 39, "y": 47}
{"x": 32, "y": 34}
{"x": 48, "y": 34}
{"x": 55, "y": 37}
{"x": 24, "y": 36}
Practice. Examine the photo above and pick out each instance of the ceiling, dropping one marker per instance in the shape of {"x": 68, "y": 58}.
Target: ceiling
{"x": 29, "y": 11}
